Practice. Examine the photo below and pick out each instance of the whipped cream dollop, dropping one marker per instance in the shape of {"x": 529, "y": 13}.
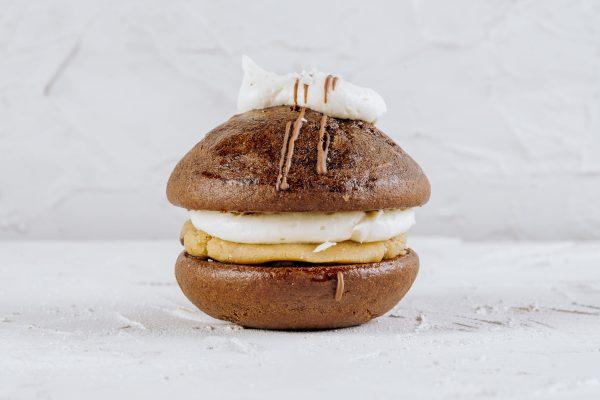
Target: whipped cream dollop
{"x": 302, "y": 227}
{"x": 325, "y": 93}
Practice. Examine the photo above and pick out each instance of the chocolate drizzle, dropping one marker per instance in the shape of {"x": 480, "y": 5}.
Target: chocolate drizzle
{"x": 330, "y": 82}
{"x": 305, "y": 93}
{"x": 296, "y": 93}
{"x": 326, "y": 88}
{"x": 339, "y": 290}
{"x": 322, "y": 151}
{"x": 288, "y": 125}
{"x": 287, "y": 148}
{"x": 283, "y": 184}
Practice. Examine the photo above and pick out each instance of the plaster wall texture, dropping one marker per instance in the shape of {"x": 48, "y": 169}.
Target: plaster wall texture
{"x": 498, "y": 100}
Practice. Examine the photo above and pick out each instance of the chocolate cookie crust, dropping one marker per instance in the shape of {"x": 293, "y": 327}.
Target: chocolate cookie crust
{"x": 296, "y": 296}
{"x": 236, "y": 167}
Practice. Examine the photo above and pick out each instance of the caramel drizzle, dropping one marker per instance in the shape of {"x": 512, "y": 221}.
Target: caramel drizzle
{"x": 305, "y": 93}
{"x": 322, "y": 152}
{"x": 330, "y": 82}
{"x": 290, "y": 149}
{"x": 339, "y": 290}
{"x": 283, "y": 151}
{"x": 296, "y": 93}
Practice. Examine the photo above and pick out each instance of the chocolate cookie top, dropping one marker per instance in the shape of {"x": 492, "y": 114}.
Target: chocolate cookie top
{"x": 284, "y": 159}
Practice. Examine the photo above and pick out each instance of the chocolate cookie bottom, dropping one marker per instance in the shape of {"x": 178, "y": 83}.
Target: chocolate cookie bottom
{"x": 297, "y": 296}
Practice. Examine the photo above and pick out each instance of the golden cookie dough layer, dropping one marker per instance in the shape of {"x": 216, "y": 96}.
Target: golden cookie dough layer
{"x": 200, "y": 244}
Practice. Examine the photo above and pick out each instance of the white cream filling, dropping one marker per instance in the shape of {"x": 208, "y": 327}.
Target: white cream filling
{"x": 263, "y": 89}
{"x": 304, "y": 227}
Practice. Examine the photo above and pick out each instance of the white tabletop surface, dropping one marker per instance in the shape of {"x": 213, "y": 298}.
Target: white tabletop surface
{"x": 97, "y": 320}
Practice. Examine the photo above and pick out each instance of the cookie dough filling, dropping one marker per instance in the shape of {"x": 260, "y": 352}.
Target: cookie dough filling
{"x": 200, "y": 244}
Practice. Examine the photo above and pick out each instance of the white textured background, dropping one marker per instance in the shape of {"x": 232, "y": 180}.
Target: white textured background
{"x": 499, "y": 101}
